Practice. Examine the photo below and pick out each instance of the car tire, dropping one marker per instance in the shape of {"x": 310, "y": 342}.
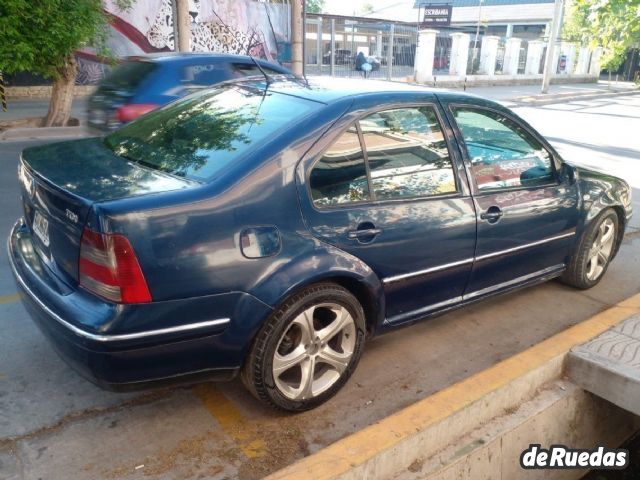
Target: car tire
{"x": 288, "y": 365}
{"x": 592, "y": 257}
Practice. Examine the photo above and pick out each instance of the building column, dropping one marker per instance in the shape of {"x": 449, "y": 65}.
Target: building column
{"x": 534, "y": 55}
{"x": 570, "y": 53}
{"x": 511, "y": 56}
{"x": 425, "y": 51}
{"x": 459, "y": 54}
{"x": 583, "y": 61}
{"x": 319, "y": 43}
{"x": 556, "y": 58}
{"x": 509, "y": 33}
{"x": 488, "y": 54}
{"x": 594, "y": 68}
{"x": 378, "y": 44}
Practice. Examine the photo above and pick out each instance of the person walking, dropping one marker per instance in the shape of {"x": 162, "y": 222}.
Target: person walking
{"x": 362, "y": 65}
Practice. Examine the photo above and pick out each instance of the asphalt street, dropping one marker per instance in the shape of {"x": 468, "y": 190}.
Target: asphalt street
{"x": 54, "y": 424}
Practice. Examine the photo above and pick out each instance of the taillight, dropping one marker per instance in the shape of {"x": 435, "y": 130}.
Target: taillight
{"x": 128, "y": 113}
{"x": 109, "y": 268}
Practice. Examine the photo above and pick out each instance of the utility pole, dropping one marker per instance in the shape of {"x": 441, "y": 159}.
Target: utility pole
{"x": 475, "y": 42}
{"x": 296, "y": 37}
{"x": 549, "y": 67}
{"x": 181, "y": 26}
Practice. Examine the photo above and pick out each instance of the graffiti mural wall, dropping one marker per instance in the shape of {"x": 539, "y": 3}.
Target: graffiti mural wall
{"x": 259, "y": 28}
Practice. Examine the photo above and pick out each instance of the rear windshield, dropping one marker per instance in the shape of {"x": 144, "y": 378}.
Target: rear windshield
{"x": 200, "y": 135}
{"x": 128, "y": 75}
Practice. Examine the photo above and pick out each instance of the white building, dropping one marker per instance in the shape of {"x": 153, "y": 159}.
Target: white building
{"x": 522, "y": 18}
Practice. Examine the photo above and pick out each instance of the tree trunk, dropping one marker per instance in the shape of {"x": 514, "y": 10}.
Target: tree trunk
{"x": 62, "y": 95}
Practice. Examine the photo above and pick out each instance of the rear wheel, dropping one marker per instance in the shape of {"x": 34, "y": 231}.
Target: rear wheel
{"x": 307, "y": 349}
{"x": 591, "y": 260}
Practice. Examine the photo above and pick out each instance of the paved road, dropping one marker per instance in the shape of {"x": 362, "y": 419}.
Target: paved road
{"x": 53, "y": 424}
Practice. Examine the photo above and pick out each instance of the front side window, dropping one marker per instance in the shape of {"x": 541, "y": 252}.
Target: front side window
{"x": 502, "y": 153}
{"x": 407, "y": 154}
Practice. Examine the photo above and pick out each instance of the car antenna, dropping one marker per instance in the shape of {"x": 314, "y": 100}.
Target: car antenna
{"x": 266, "y": 75}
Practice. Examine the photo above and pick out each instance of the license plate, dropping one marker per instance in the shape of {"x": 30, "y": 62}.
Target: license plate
{"x": 41, "y": 228}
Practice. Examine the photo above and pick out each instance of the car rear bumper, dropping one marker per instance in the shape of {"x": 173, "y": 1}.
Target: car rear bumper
{"x": 129, "y": 346}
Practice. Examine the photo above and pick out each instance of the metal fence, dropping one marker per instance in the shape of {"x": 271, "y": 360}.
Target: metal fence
{"x": 341, "y": 47}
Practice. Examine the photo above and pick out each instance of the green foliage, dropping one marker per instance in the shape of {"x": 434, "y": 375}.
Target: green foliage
{"x": 613, "y": 24}
{"x": 367, "y": 8}
{"x": 314, "y": 6}
{"x": 37, "y": 36}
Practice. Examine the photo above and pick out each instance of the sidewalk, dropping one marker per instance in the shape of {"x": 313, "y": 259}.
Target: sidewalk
{"x": 557, "y": 92}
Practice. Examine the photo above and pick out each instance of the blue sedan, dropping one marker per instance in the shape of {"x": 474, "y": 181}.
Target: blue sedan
{"x": 270, "y": 228}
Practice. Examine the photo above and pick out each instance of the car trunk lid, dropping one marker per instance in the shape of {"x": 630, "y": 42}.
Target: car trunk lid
{"x": 61, "y": 182}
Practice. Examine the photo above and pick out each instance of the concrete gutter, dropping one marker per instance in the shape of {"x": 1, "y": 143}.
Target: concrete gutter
{"x": 477, "y": 428}
{"x": 34, "y": 133}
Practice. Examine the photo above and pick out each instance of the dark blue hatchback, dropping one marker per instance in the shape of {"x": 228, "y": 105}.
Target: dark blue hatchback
{"x": 270, "y": 228}
{"x": 143, "y": 83}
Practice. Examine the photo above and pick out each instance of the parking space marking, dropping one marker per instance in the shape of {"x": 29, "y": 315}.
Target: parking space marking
{"x": 341, "y": 457}
{"x": 9, "y": 298}
{"x": 233, "y": 423}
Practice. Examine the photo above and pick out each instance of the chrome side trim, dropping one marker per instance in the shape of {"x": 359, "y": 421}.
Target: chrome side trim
{"x": 107, "y": 338}
{"x": 525, "y": 246}
{"x": 458, "y": 301}
{"x": 404, "y": 276}
{"x": 399, "y": 318}
{"x": 515, "y": 281}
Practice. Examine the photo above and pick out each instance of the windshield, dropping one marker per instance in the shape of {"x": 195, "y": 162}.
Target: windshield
{"x": 200, "y": 135}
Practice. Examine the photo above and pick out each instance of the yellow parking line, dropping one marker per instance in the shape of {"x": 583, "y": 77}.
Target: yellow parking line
{"x": 231, "y": 420}
{"x": 9, "y": 298}
{"x": 339, "y": 458}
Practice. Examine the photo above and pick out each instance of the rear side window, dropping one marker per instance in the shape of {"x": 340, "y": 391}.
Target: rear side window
{"x": 341, "y": 176}
{"x": 407, "y": 154}
{"x": 128, "y": 74}
{"x": 250, "y": 69}
{"x": 393, "y": 154}
{"x": 502, "y": 153}
{"x": 202, "y": 75}
{"x": 205, "y": 132}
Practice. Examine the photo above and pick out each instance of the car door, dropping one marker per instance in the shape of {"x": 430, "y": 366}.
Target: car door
{"x": 527, "y": 209}
{"x": 388, "y": 191}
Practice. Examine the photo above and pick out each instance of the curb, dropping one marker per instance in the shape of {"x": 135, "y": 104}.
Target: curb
{"x": 35, "y": 133}
{"x": 565, "y": 97}
{"x": 382, "y": 447}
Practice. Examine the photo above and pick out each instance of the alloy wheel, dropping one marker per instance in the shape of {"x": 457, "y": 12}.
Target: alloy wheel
{"x": 600, "y": 252}
{"x": 314, "y": 351}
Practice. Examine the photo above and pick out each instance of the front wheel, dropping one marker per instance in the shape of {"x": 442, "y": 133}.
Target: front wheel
{"x": 307, "y": 349}
{"x": 593, "y": 255}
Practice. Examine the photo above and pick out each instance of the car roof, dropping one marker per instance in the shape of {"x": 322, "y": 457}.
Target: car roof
{"x": 329, "y": 89}
{"x": 187, "y": 57}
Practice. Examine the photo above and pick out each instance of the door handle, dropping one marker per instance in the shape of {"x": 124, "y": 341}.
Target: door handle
{"x": 368, "y": 232}
{"x": 492, "y": 215}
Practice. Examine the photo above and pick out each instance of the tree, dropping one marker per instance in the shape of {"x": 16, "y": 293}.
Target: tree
{"x": 613, "y": 24}
{"x": 41, "y": 37}
{"x": 367, "y": 9}
{"x": 314, "y": 6}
